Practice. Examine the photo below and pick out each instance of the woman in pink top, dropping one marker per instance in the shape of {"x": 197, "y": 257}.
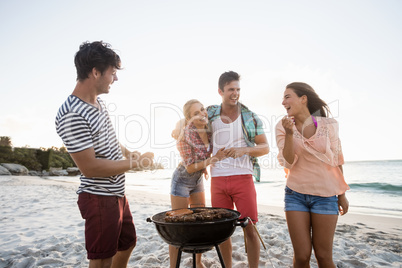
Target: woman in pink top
{"x": 310, "y": 151}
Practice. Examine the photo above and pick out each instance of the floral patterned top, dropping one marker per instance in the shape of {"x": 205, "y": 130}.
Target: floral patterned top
{"x": 191, "y": 148}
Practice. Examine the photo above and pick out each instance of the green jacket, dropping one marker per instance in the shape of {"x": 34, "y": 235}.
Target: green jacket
{"x": 252, "y": 126}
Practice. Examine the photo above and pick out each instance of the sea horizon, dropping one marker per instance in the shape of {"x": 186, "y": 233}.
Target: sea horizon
{"x": 376, "y": 186}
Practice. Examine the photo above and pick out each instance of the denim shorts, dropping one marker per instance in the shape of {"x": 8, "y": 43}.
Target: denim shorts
{"x": 184, "y": 184}
{"x": 295, "y": 201}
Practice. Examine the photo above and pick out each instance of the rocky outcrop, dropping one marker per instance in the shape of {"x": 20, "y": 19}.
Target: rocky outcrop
{"x": 34, "y": 173}
{"x": 57, "y": 172}
{"x": 4, "y": 171}
{"x": 73, "y": 171}
{"x": 15, "y": 169}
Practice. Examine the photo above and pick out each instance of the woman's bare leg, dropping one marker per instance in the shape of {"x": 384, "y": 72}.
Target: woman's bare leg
{"x": 177, "y": 203}
{"x": 299, "y": 225}
{"x": 323, "y": 228}
{"x": 198, "y": 200}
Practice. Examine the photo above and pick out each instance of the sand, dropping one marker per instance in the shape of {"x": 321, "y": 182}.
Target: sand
{"x": 40, "y": 226}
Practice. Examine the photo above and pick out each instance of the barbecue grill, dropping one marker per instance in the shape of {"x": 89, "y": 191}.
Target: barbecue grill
{"x": 199, "y": 236}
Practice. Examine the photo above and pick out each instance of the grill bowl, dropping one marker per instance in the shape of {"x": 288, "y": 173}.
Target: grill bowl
{"x": 196, "y": 236}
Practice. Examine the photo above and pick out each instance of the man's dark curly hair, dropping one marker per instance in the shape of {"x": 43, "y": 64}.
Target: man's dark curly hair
{"x": 97, "y": 55}
{"x": 227, "y": 78}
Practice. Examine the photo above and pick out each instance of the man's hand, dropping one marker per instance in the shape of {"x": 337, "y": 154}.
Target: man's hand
{"x": 236, "y": 152}
{"x": 220, "y": 154}
{"x": 145, "y": 160}
{"x": 134, "y": 155}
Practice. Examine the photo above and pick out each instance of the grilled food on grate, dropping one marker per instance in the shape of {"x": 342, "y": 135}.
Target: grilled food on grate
{"x": 197, "y": 215}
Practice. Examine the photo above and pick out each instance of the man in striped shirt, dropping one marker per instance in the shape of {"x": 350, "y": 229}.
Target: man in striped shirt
{"x": 84, "y": 125}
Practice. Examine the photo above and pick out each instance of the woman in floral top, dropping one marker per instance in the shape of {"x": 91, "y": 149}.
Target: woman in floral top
{"x": 187, "y": 188}
{"x": 310, "y": 151}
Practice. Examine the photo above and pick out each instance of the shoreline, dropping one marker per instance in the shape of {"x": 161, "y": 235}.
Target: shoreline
{"x": 42, "y": 226}
{"x": 380, "y": 223}
{"x": 270, "y": 194}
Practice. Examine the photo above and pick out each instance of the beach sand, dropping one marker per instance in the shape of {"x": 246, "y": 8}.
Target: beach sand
{"x": 40, "y": 226}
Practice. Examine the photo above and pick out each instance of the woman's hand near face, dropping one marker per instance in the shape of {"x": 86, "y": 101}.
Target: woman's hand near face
{"x": 178, "y": 131}
{"x": 288, "y": 123}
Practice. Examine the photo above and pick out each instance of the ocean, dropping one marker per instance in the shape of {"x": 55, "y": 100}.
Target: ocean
{"x": 375, "y": 186}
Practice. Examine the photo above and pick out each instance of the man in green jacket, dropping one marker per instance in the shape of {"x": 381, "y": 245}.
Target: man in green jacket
{"x": 240, "y": 131}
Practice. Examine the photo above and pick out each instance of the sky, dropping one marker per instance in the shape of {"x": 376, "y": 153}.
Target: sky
{"x": 173, "y": 51}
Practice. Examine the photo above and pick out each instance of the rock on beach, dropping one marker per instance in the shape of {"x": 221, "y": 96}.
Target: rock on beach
{"x": 15, "y": 169}
{"x": 4, "y": 171}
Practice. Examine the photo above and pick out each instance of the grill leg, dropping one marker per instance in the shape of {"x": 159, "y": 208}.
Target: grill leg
{"x": 220, "y": 256}
{"x": 178, "y": 257}
{"x": 194, "y": 262}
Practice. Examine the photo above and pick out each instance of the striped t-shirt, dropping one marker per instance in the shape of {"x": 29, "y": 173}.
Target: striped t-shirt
{"x": 81, "y": 126}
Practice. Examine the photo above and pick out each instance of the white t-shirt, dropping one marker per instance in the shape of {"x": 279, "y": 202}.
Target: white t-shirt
{"x": 229, "y": 136}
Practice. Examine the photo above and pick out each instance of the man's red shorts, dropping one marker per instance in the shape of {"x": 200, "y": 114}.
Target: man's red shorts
{"x": 109, "y": 225}
{"x": 238, "y": 190}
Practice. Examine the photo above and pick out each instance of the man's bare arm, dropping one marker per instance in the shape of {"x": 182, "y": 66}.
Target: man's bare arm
{"x": 91, "y": 166}
{"x": 260, "y": 149}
